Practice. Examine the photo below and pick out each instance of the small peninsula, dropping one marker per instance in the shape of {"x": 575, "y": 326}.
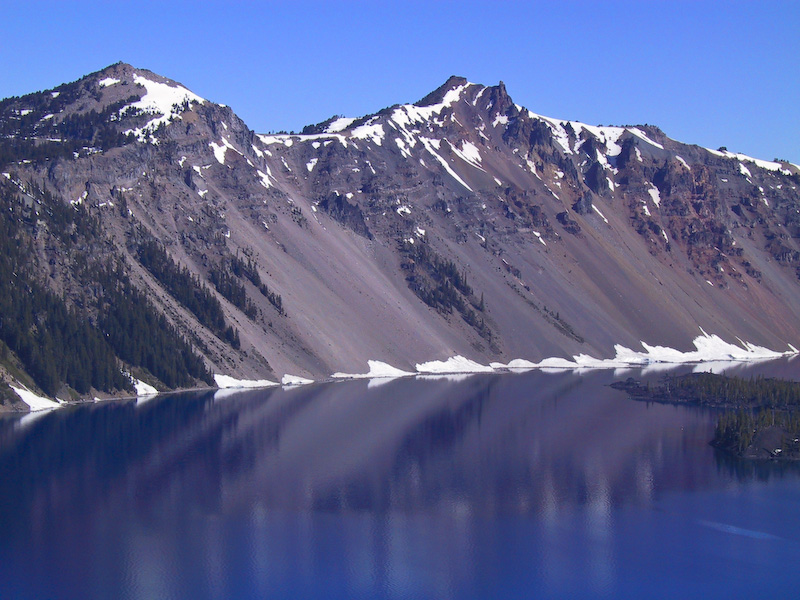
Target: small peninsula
{"x": 761, "y": 418}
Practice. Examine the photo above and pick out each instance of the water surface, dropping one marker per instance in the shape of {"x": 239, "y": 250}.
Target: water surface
{"x": 498, "y": 486}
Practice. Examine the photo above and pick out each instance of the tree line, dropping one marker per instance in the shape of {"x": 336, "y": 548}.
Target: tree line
{"x": 441, "y": 285}
{"x": 81, "y": 342}
{"x": 55, "y": 343}
{"x": 143, "y": 337}
{"x": 248, "y": 270}
{"x": 736, "y": 431}
{"x": 717, "y": 390}
{"x": 28, "y": 137}
{"x": 187, "y": 289}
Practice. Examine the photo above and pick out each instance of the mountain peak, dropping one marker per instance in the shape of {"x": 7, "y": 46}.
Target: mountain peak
{"x": 118, "y": 70}
{"x": 130, "y": 78}
{"x": 437, "y": 95}
{"x": 501, "y": 102}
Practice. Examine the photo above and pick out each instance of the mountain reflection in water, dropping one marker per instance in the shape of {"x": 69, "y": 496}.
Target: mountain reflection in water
{"x": 539, "y": 483}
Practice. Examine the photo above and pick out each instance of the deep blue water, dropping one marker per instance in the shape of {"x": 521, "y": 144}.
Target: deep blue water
{"x": 502, "y": 486}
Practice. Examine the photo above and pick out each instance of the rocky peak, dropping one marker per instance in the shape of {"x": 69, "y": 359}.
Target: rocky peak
{"x": 126, "y": 74}
{"x": 119, "y": 70}
{"x": 437, "y": 95}
{"x": 498, "y": 100}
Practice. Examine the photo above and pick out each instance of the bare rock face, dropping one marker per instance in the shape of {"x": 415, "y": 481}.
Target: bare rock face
{"x": 462, "y": 224}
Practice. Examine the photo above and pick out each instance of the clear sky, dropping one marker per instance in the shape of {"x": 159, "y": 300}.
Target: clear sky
{"x": 710, "y": 73}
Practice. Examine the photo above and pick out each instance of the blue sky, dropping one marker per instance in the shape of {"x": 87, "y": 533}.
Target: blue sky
{"x": 709, "y": 73}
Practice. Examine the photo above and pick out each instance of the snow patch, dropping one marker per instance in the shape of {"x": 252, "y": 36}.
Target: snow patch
{"x": 609, "y": 136}
{"x": 432, "y": 145}
{"x": 311, "y": 164}
{"x": 81, "y": 199}
{"x": 744, "y": 170}
{"x": 372, "y": 133}
{"x": 712, "y": 347}
{"x": 763, "y": 164}
{"x": 516, "y": 364}
{"x": 221, "y": 149}
{"x": 500, "y": 120}
{"x": 455, "y": 364}
{"x": 276, "y": 139}
{"x": 708, "y": 348}
{"x": 292, "y": 380}
{"x": 264, "y": 178}
{"x": 107, "y": 82}
{"x": 655, "y": 196}
{"x": 227, "y": 382}
{"x": 339, "y": 124}
{"x": 143, "y": 389}
{"x": 401, "y": 144}
{"x": 376, "y": 369}
{"x": 469, "y": 153}
{"x": 597, "y": 210}
{"x": 160, "y": 99}
{"x": 641, "y": 135}
{"x": 33, "y": 401}
{"x": 410, "y": 113}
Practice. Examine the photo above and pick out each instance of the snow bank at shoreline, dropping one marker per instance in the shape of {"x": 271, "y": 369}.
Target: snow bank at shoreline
{"x": 377, "y": 370}
{"x": 226, "y": 382}
{"x": 709, "y": 350}
{"x": 144, "y": 389}
{"x": 33, "y": 401}
{"x": 294, "y": 380}
{"x": 455, "y": 364}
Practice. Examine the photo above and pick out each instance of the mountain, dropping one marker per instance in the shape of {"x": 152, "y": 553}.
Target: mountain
{"x": 176, "y": 243}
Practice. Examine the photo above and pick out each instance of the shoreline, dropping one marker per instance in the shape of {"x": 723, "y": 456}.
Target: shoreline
{"x": 710, "y": 349}
{"x": 758, "y": 419}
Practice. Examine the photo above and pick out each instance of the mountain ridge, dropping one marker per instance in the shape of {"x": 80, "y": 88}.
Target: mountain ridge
{"x": 462, "y": 224}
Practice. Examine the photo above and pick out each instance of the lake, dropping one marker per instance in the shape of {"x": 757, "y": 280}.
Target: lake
{"x": 490, "y": 486}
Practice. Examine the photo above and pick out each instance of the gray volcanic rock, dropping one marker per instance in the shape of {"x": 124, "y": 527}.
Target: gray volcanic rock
{"x": 463, "y": 224}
